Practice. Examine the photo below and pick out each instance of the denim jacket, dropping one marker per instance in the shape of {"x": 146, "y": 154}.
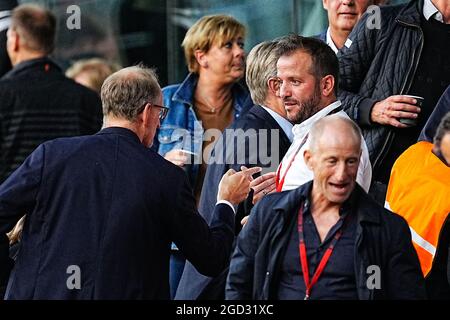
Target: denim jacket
{"x": 181, "y": 129}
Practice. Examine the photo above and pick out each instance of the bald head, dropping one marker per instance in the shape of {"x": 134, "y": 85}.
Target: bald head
{"x": 333, "y": 156}
{"x": 334, "y": 129}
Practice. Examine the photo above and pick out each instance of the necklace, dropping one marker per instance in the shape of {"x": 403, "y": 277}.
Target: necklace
{"x": 210, "y": 108}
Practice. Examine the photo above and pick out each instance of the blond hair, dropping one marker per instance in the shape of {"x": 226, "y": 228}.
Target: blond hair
{"x": 261, "y": 65}
{"x": 96, "y": 70}
{"x": 209, "y": 30}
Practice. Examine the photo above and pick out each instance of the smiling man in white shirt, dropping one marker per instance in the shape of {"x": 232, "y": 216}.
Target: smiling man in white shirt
{"x": 308, "y": 73}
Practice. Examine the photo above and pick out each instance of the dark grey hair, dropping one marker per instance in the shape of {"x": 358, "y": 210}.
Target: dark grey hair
{"x": 125, "y": 93}
{"x": 36, "y": 25}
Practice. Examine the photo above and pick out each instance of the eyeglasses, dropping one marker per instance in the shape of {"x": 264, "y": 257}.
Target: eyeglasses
{"x": 162, "y": 110}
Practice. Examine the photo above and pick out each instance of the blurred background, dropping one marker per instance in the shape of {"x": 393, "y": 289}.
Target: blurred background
{"x": 151, "y": 31}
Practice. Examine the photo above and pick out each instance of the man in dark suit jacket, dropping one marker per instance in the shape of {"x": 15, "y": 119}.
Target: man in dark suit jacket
{"x": 102, "y": 210}
{"x": 260, "y": 138}
{"x": 37, "y": 102}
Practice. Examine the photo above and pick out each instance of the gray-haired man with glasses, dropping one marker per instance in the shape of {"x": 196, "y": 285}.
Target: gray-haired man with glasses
{"x": 102, "y": 210}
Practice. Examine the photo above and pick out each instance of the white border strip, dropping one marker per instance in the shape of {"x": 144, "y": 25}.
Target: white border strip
{"x": 416, "y": 238}
{"x": 421, "y": 242}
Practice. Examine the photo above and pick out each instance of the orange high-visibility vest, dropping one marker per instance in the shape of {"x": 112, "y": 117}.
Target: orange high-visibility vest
{"x": 419, "y": 191}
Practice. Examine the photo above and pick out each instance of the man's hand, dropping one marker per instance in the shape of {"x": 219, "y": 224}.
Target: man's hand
{"x": 391, "y": 109}
{"x": 235, "y": 186}
{"x": 177, "y": 156}
{"x": 244, "y": 221}
{"x": 263, "y": 185}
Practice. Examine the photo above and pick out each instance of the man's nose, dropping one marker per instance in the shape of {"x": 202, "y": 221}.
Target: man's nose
{"x": 341, "y": 172}
{"x": 284, "y": 91}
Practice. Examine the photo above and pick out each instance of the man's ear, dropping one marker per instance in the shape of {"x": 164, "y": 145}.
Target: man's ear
{"x": 146, "y": 116}
{"x": 201, "y": 58}
{"x": 325, "y": 4}
{"x": 274, "y": 85}
{"x": 15, "y": 40}
{"x": 307, "y": 156}
{"x": 327, "y": 85}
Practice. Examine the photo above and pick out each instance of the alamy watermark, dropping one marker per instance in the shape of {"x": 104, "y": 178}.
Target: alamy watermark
{"x": 374, "y": 279}
{"x": 74, "y": 280}
{"x": 73, "y": 22}
{"x": 232, "y": 147}
{"x": 374, "y": 19}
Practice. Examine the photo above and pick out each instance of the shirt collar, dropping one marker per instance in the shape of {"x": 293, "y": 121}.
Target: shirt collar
{"x": 346, "y": 207}
{"x": 330, "y": 42}
{"x": 310, "y": 121}
{"x": 282, "y": 122}
{"x": 430, "y": 10}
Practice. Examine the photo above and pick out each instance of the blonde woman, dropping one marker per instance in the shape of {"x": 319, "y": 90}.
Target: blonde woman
{"x": 210, "y": 97}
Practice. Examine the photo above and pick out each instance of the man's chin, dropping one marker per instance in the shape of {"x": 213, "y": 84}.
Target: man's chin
{"x": 340, "y": 197}
{"x": 291, "y": 117}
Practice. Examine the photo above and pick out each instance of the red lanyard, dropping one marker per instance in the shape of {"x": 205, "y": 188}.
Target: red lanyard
{"x": 279, "y": 183}
{"x": 304, "y": 257}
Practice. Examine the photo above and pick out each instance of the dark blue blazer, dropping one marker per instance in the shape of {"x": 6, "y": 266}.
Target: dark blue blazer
{"x": 192, "y": 283}
{"x": 112, "y": 207}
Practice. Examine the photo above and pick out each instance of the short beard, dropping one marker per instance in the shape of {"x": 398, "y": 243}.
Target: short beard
{"x": 308, "y": 108}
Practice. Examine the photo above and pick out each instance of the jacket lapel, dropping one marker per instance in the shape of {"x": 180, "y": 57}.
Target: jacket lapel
{"x": 285, "y": 143}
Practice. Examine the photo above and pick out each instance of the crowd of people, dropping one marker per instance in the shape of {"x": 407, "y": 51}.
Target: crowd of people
{"x": 314, "y": 168}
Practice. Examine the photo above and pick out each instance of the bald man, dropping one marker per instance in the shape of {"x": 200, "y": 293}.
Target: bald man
{"x": 322, "y": 224}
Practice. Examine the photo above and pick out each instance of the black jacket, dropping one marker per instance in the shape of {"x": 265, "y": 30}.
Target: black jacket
{"x": 110, "y": 206}
{"x": 382, "y": 239}
{"x": 380, "y": 63}
{"x": 192, "y": 283}
{"x": 38, "y": 103}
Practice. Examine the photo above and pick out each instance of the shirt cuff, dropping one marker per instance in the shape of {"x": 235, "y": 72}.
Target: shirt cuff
{"x": 227, "y": 203}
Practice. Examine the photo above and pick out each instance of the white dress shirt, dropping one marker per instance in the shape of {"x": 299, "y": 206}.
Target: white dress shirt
{"x": 299, "y": 173}
{"x": 330, "y": 42}
{"x": 430, "y": 10}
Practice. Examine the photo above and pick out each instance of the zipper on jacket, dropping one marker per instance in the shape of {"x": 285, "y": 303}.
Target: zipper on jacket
{"x": 391, "y": 135}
